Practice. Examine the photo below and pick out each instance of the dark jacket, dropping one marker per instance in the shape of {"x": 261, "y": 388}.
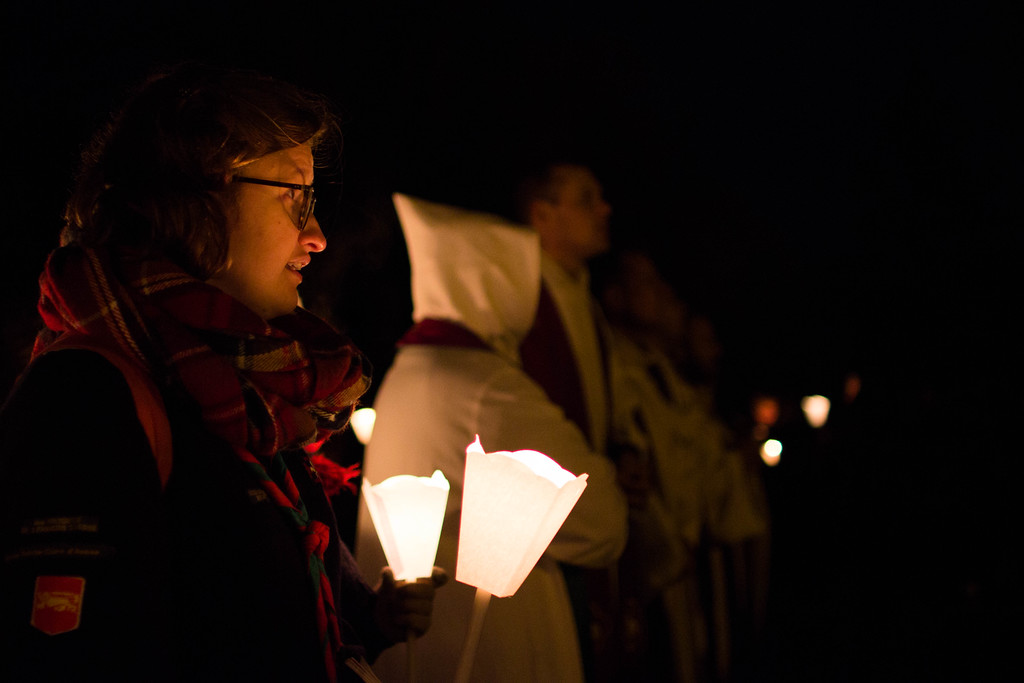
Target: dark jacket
{"x": 205, "y": 580}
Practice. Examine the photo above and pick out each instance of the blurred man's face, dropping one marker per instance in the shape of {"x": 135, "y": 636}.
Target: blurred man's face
{"x": 574, "y": 223}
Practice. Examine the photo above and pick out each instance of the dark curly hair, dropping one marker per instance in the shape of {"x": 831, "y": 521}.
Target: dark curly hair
{"x": 155, "y": 177}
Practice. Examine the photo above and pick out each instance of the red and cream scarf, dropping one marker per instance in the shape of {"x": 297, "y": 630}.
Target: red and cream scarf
{"x": 261, "y": 387}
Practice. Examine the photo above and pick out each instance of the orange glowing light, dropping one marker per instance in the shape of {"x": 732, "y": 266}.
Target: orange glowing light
{"x": 766, "y": 410}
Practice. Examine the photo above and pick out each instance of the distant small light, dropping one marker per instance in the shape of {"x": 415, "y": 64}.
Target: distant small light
{"x": 815, "y": 410}
{"x": 771, "y": 452}
{"x": 851, "y": 388}
{"x": 766, "y": 410}
{"x": 362, "y": 424}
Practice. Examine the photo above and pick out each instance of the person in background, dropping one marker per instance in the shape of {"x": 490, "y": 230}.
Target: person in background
{"x": 565, "y": 349}
{"x": 567, "y": 352}
{"x": 457, "y": 374}
{"x": 705, "y": 504}
{"x": 160, "y": 517}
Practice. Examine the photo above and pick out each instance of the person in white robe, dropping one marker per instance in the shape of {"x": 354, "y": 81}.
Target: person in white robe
{"x": 475, "y": 284}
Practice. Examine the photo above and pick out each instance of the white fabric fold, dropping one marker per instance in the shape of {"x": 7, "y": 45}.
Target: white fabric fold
{"x": 466, "y": 264}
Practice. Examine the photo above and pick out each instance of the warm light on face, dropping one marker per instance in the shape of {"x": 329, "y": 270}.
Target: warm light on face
{"x": 771, "y": 452}
{"x": 265, "y": 252}
{"x": 815, "y": 410}
{"x": 362, "y": 424}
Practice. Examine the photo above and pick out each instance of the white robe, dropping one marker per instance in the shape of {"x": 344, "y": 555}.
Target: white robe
{"x": 432, "y": 403}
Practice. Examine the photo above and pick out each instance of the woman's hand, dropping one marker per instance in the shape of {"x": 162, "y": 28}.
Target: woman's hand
{"x": 404, "y": 608}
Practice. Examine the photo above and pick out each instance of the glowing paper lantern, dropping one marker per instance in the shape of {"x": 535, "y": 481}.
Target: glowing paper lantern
{"x": 362, "y": 424}
{"x": 513, "y": 504}
{"x": 815, "y": 410}
{"x": 407, "y": 513}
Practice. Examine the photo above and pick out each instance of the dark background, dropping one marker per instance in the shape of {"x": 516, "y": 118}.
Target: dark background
{"x": 836, "y": 184}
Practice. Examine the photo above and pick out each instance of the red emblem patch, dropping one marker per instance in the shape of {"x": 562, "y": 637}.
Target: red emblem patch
{"x": 57, "y": 603}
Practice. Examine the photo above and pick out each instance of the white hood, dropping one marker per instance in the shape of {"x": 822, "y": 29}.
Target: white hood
{"x": 476, "y": 269}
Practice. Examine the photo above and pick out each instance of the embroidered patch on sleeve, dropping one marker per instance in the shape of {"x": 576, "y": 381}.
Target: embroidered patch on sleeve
{"x": 57, "y": 603}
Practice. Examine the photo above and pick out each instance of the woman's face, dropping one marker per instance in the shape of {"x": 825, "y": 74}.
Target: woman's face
{"x": 266, "y": 251}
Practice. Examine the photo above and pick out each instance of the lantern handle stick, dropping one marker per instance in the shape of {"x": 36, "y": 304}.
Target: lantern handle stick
{"x": 476, "y": 623}
{"x": 409, "y": 669}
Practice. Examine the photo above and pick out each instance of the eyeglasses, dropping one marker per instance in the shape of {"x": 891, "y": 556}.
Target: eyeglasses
{"x": 308, "y": 198}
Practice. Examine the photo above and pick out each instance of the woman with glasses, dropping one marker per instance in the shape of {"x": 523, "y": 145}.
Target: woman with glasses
{"x": 161, "y": 518}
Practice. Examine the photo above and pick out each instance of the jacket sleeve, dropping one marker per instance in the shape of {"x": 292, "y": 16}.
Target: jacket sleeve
{"x": 78, "y": 495}
{"x": 517, "y": 415}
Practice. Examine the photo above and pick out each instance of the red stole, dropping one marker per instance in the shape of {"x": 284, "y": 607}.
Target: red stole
{"x": 433, "y": 332}
{"x": 549, "y": 360}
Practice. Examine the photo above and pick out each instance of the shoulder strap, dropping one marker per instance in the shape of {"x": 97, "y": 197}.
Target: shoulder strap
{"x": 149, "y": 404}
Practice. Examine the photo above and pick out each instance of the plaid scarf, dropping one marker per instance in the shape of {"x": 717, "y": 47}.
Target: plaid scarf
{"x": 261, "y": 387}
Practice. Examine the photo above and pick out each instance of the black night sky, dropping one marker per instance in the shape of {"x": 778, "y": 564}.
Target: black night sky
{"x": 837, "y": 184}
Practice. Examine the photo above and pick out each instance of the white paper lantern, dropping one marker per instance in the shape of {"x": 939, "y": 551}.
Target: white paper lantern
{"x": 407, "y": 512}
{"x": 513, "y": 504}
